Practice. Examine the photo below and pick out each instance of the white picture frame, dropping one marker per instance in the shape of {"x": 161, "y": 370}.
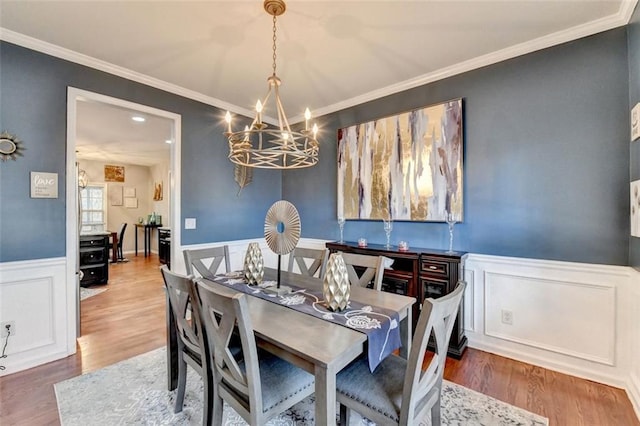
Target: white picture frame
{"x": 131, "y": 203}
{"x": 129, "y": 192}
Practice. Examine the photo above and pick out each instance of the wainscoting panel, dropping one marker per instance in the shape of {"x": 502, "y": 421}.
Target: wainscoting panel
{"x": 33, "y": 294}
{"x": 633, "y": 387}
{"x": 569, "y": 317}
{"x": 575, "y": 319}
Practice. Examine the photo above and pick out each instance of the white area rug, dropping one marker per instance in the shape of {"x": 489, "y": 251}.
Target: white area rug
{"x": 133, "y": 392}
{"x": 86, "y": 293}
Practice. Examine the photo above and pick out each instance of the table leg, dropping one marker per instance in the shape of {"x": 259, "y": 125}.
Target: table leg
{"x": 405, "y": 335}
{"x": 325, "y": 396}
{"x": 172, "y": 349}
{"x": 114, "y": 254}
{"x": 147, "y": 241}
{"x": 136, "y": 240}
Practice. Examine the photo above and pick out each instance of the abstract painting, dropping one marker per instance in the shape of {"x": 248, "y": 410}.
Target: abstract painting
{"x": 403, "y": 167}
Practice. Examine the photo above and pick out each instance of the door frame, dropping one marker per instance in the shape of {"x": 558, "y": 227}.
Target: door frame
{"x": 74, "y": 95}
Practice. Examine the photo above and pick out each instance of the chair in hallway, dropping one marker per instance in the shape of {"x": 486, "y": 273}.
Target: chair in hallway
{"x": 399, "y": 391}
{"x": 195, "y": 260}
{"x": 370, "y": 267}
{"x": 261, "y": 385}
{"x": 120, "y": 255}
{"x": 191, "y": 338}
{"x": 300, "y": 255}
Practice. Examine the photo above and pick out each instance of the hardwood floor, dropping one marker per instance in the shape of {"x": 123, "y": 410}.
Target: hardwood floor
{"x": 129, "y": 319}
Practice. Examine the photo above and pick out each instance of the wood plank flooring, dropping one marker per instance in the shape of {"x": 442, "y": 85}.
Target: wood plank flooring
{"x": 129, "y": 319}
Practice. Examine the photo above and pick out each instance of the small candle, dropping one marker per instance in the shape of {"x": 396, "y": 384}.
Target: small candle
{"x": 227, "y": 118}
{"x": 307, "y": 116}
{"x": 259, "y": 111}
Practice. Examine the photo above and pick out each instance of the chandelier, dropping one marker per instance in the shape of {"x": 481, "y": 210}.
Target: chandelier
{"x": 273, "y": 147}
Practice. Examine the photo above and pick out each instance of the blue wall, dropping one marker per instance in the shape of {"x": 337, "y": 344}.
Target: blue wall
{"x": 633, "y": 31}
{"x": 33, "y": 105}
{"x": 546, "y": 157}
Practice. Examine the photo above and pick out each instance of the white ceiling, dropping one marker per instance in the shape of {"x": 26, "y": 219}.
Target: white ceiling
{"x": 107, "y": 133}
{"x": 331, "y": 54}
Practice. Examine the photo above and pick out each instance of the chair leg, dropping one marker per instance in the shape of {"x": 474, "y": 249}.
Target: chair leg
{"x": 436, "y": 420}
{"x": 345, "y": 412}
{"x": 182, "y": 384}
{"x": 218, "y": 405}
{"x": 207, "y": 413}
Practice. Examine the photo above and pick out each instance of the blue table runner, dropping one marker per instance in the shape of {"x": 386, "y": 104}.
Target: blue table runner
{"x": 380, "y": 325}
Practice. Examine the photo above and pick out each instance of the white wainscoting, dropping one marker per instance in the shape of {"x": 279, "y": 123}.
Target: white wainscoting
{"x": 569, "y": 317}
{"x": 633, "y": 386}
{"x": 238, "y": 248}
{"x": 34, "y": 295}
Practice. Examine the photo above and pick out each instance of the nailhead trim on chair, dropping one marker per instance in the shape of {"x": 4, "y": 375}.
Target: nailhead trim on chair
{"x": 264, "y": 410}
{"x": 393, "y": 416}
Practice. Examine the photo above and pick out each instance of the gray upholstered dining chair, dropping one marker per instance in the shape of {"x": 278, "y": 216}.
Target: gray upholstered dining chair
{"x": 259, "y": 386}
{"x": 193, "y": 259}
{"x": 399, "y": 392}
{"x": 300, "y": 255}
{"x": 192, "y": 345}
{"x": 372, "y": 268}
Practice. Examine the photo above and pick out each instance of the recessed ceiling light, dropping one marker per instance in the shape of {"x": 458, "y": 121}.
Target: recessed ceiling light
{"x": 138, "y": 119}
{"x": 169, "y": 141}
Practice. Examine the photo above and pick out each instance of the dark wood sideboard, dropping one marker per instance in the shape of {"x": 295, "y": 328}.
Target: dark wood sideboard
{"x": 94, "y": 258}
{"x": 420, "y": 273}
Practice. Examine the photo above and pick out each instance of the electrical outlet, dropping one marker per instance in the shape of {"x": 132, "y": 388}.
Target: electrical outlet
{"x": 507, "y": 317}
{"x": 3, "y": 328}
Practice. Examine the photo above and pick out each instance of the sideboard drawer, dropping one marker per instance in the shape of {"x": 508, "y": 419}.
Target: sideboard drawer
{"x": 434, "y": 267}
{"x": 92, "y": 256}
{"x": 94, "y": 275}
{"x": 91, "y": 241}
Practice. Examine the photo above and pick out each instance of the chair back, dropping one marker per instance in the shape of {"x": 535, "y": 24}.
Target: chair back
{"x": 372, "y": 268}
{"x": 436, "y": 319}
{"x": 123, "y": 228}
{"x": 299, "y": 256}
{"x": 185, "y": 304}
{"x": 239, "y": 385}
{"x": 193, "y": 260}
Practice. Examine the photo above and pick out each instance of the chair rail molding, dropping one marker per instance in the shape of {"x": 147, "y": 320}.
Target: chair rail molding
{"x": 570, "y": 317}
{"x": 34, "y": 295}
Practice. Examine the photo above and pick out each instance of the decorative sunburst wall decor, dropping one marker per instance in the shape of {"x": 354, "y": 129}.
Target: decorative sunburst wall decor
{"x": 10, "y": 146}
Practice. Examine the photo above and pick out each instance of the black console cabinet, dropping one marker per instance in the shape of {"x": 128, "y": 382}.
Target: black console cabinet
{"x": 420, "y": 273}
{"x": 164, "y": 246}
{"x": 94, "y": 259}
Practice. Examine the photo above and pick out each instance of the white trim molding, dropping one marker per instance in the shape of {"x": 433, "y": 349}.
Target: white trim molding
{"x": 570, "y": 317}
{"x": 34, "y": 295}
{"x": 633, "y": 385}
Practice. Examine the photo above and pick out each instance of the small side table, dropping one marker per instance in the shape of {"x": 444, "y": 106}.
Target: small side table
{"x": 148, "y": 229}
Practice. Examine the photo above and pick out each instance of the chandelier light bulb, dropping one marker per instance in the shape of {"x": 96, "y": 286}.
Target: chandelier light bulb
{"x": 227, "y": 118}
{"x": 307, "y": 116}
{"x": 285, "y": 136}
{"x": 315, "y": 130}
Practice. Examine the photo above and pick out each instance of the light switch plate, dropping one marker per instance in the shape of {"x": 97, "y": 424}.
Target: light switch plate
{"x": 190, "y": 223}
{"x": 635, "y": 122}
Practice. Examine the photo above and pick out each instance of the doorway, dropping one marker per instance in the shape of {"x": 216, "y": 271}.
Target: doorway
{"x": 119, "y": 147}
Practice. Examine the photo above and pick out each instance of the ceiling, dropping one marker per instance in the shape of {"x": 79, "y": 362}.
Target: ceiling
{"x": 331, "y": 54}
{"x": 107, "y": 133}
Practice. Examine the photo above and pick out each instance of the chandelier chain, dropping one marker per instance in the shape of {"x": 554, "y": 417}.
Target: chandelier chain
{"x": 274, "y": 45}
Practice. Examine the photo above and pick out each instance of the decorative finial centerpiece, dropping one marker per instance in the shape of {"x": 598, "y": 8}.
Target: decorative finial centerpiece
{"x": 273, "y": 147}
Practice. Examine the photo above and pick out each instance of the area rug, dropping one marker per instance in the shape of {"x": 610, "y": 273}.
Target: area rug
{"x": 133, "y": 392}
{"x": 86, "y": 293}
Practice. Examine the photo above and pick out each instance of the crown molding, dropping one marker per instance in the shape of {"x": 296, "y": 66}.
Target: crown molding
{"x": 98, "y": 64}
{"x": 621, "y": 18}
{"x": 594, "y": 27}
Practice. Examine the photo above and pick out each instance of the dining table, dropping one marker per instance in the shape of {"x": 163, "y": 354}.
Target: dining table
{"x": 321, "y": 347}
